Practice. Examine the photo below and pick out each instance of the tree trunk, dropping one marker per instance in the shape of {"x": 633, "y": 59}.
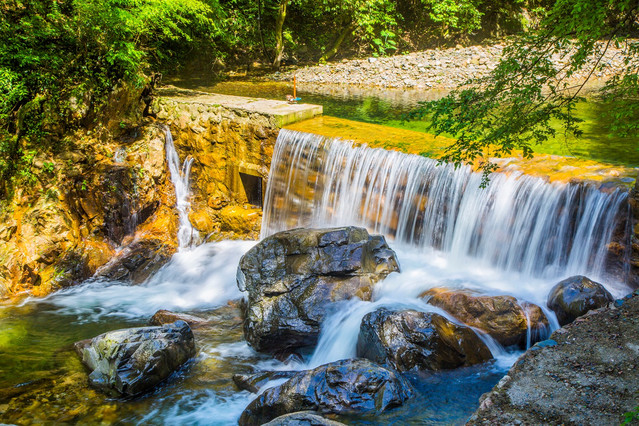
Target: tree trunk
{"x": 347, "y": 30}
{"x": 279, "y": 39}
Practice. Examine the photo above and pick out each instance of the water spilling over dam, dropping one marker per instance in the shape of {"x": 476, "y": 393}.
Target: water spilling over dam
{"x": 518, "y": 223}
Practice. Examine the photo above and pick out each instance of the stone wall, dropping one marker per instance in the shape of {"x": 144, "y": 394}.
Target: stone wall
{"x": 232, "y": 150}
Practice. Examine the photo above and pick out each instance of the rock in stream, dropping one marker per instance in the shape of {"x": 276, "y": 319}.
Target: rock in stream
{"x": 575, "y": 296}
{"x": 503, "y": 317}
{"x": 132, "y": 361}
{"x": 344, "y": 387}
{"x": 411, "y": 340}
{"x": 292, "y": 277}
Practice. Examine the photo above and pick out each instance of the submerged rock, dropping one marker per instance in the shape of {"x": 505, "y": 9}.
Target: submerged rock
{"x": 254, "y": 382}
{"x": 344, "y": 387}
{"x": 503, "y": 317}
{"x": 132, "y": 361}
{"x": 303, "y": 418}
{"x": 163, "y": 317}
{"x": 412, "y": 340}
{"x": 291, "y": 278}
{"x": 574, "y": 296}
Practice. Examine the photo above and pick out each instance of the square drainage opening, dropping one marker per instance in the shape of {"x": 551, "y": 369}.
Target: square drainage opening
{"x": 252, "y": 188}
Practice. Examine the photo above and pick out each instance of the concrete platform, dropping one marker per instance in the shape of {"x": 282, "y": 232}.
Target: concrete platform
{"x": 283, "y": 112}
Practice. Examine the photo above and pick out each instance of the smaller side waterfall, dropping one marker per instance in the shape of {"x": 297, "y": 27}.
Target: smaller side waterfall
{"x": 180, "y": 174}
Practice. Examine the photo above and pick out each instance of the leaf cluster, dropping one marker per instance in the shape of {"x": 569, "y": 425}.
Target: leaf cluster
{"x": 61, "y": 56}
{"x": 538, "y": 81}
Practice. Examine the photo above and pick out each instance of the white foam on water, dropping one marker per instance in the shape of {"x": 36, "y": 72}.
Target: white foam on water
{"x": 194, "y": 279}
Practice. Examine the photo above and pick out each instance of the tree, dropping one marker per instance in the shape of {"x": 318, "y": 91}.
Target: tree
{"x": 279, "y": 36}
{"x": 55, "y": 51}
{"x": 513, "y": 106}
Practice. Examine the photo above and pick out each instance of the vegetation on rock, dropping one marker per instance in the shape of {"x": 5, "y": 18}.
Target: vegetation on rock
{"x": 60, "y": 60}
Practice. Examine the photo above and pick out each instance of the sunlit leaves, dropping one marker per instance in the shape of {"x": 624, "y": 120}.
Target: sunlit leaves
{"x": 539, "y": 81}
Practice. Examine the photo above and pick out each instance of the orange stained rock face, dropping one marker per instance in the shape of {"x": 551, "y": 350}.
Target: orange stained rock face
{"x": 553, "y": 168}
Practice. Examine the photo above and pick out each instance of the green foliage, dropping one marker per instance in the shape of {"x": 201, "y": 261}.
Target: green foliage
{"x": 53, "y": 52}
{"x": 512, "y": 108}
{"x": 457, "y": 15}
{"x": 631, "y": 417}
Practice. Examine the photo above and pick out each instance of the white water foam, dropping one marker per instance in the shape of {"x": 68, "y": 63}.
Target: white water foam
{"x": 518, "y": 223}
{"x": 194, "y": 279}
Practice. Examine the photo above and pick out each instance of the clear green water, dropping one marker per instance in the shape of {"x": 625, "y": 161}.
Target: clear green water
{"x": 389, "y": 107}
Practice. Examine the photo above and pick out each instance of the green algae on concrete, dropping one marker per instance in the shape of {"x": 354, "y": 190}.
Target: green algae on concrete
{"x": 282, "y": 112}
{"x": 553, "y": 168}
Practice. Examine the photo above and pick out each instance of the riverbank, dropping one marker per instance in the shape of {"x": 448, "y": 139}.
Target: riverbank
{"x": 430, "y": 69}
{"x": 586, "y": 373}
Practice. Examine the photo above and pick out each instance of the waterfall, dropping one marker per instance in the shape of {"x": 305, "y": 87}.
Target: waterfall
{"x": 517, "y": 223}
{"x": 180, "y": 178}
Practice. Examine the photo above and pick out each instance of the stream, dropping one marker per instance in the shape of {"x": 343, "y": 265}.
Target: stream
{"x": 43, "y": 381}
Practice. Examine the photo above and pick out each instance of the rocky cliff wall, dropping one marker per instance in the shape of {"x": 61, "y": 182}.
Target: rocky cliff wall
{"x": 104, "y": 204}
{"x": 88, "y": 202}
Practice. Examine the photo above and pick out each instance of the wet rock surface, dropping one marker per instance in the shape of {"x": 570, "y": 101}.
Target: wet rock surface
{"x": 292, "y": 277}
{"x": 503, "y": 317}
{"x": 163, "y": 317}
{"x": 254, "y": 382}
{"x": 132, "y": 361}
{"x": 575, "y": 296}
{"x": 411, "y": 340}
{"x": 304, "y": 418}
{"x": 138, "y": 261}
{"x": 586, "y": 373}
{"x": 343, "y": 387}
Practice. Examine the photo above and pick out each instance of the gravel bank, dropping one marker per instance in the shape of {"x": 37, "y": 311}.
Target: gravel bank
{"x": 436, "y": 68}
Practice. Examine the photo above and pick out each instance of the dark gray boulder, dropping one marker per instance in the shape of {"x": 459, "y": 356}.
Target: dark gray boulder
{"x": 411, "y": 340}
{"x": 292, "y": 277}
{"x": 351, "y": 386}
{"x": 304, "y": 418}
{"x": 254, "y": 382}
{"x": 132, "y": 361}
{"x": 575, "y": 296}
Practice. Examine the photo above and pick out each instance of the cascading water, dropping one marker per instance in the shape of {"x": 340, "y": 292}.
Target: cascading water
{"x": 180, "y": 178}
{"x": 518, "y": 223}
{"x": 518, "y": 236}
{"x": 515, "y": 237}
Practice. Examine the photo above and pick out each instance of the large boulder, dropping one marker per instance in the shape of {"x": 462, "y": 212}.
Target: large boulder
{"x": 291, "y": 277}
{"x": 502, "y": 317}
{"x": 350, "y": 386}
{"x": 411, "y": 340}
{"x": 574, "y": 296}
{"x": 303, "y": 418}
{"x": 132, "y": 361}
{"x": 585, "y": 374}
